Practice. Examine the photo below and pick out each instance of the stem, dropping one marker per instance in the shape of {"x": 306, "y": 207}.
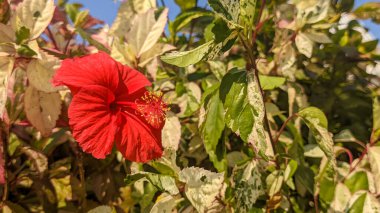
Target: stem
{"x": 283, "y": 127}
{"x": 4, "y": 136}
{"x": 52, "y": 38}
{"x": 68, "y": 43}
{"x": 82, "y": 180}
{"x": 316, "y": 203}
{"x": 258, "y": 26}
{"x": 163, "y": 3}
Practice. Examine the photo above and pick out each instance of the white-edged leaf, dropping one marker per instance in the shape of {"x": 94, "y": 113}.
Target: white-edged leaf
{"x": 156, "y": 50}
{"x": 316, "y": 120}
{"x": 164, "y": 204}
{"x": 304, "y": 44}
{"x": 7, "y": 34}
{"x": 318, "y": 37}
{"x": 145, "y": 31}
{"x": 312, "y": 11}
{"x": 34, "y": 15}
{"x": 227, "y": 9}
{"x": 202, "y": 187}
{"x": 171, "y": 133}
{"x": 374, "y": 161}
{"x": 42, "y": 109}
{"x": 363, "y": 201}
{"x": 102, "y": 209}
{"x": 40, "y": 72}
{"x": 248, "y": 186}
{"x": 342, "y": 196}
{"x": 123, "y": 21}
{"x": 257, "y": 137}
{"x": 141, "y": 6}
{"x": 123, "y": 53}
{"x": 186, "y": 58}
{"x": 6, "y": 67}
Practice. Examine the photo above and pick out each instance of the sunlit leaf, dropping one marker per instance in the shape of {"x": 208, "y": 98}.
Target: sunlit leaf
{"x": 145, "y": 31}
{"x": 171, "y": 133}
{"x": 304, "y": 44}
{"x": 40, "y": 72}
{"x": 35, "y": 15}
{"x": 271, "y": 82}
{"x": 248, "y": 186}
{"x": 342, "y": 196}
{"x": 186, "y": 58}
{"x": 211, "y": 130}
{"x": 374, "y": 160}
{"x": 369, "y": 10}
{"x": 6, "y": 67}
{"x": 228, "y": 9}
{"x": 42, "y": 109}
{"x": 103, "y": 209}
{"x": 202, "y": 187}
{"x": 164, "y": 204}
{"x": 316, "y": 120}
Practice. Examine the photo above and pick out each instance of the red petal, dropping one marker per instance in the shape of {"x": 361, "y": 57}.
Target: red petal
{"x": 131, "y": 81}
{"x": 136, "y": 140}
{"x": 95, "y": 69}
{"x": 93, "y": 123}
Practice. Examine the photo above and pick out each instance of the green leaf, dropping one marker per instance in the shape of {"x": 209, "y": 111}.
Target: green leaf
{"x": 186, "y": 4}
{"x": 364, "y": 202}
{"x": 22, "y": 35}
{"x": 186, "y": 58}
{"x": 316, "y": 120}
{"x": 211, "y": 130}
{"x": 25, "y": 50}
{"x": 370, "y": 10}
{"x": 244, "y": 108}
{"x": 185, "y": 18}
{"x": 274, "y": 182}
{"x": 202, "y": 187}
{"x": 81, "y": 18}
{"x": 247, "y": 16}
{"x": 304, "y": 44}
{"x": 227, "y": 9}
{"x": 271, "y": 82}
{"x": 376, "y": 115}
{"x": 357, "y": 181}
{"x": 290, "y": 170}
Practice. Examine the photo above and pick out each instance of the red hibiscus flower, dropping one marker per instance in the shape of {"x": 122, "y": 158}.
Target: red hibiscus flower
{"x": 112, "y": 105}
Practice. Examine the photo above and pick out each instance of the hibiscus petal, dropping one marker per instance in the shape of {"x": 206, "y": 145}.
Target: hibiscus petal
{"x": 131, "y": 81}
{"x": 136, "y": 140}
{"x": 94, "y": 69}
{"x": 92, "y": 122}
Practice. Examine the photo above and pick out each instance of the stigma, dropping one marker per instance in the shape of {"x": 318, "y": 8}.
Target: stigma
{"x": 152, "y": 108}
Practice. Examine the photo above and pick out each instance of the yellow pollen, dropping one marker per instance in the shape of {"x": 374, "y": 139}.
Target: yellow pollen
{"x": 152, "y": 108}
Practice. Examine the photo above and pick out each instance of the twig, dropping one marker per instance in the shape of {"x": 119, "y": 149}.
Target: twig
{"x": 52, "y": 38}
{"x": 4, "y": 136}
{"x": 257, "y": 24}
{"x": 283, "y": 127}
{"x": 68, "y": 43}
{"x": 316, "y": 203}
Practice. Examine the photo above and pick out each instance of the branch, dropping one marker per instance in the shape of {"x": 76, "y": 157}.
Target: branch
{"x": 283, "y": 127}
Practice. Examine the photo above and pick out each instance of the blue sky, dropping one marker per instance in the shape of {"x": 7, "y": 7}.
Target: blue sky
{"x": 107, "y": 9}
